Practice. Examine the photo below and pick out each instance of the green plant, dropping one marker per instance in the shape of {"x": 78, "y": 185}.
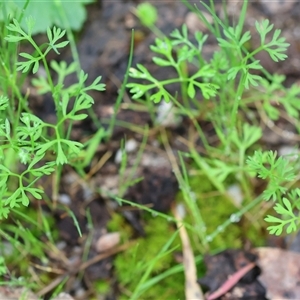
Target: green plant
{"x": 279, "y": 171}
{"x": 29, "y": 138}
{"x": 31, "y": 148}
{"x": 147, "y": 13}
{"x": 216, "y": 90}
{"x": 138, "y": 267}
{"x": 46, "y": 13}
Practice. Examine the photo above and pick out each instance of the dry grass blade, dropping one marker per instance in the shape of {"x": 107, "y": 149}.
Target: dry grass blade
{"x": 192, "y": 289}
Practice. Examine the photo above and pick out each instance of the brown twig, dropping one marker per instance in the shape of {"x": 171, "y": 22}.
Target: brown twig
{"x": 231, "y": 282}
{"x": 83, "y": 266}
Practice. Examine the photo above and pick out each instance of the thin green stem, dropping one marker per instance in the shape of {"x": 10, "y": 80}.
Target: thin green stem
{"x": 242, "y": 17}
{"x": 234, "y": 217}
{"x": 183, "y": 180}
{"x": 243, "y": 179}
{"x": 236, "y": 104}
{"x": 188, "y": 113}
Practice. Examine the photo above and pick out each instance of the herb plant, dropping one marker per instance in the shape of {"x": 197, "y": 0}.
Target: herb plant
{"x": 29, "y": 138}
{"x": 218, "y": 90}
{"x": 278, "y": 171}
{"x": 223, "y": 82}
{"x": 31, "y": 148}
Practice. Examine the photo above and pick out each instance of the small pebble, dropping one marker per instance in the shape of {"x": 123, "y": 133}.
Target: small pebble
{"x": 236, "y": 194}
{"x": 107, "y": 241}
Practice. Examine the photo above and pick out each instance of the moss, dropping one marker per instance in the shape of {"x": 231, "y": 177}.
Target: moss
{"x": 132, "y": 264}
{"x": 215, "y": 210}
{"x": 102, "y": 287}
{"x": 117, "y": 223}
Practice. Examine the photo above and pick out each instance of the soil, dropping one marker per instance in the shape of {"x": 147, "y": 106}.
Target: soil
{"x": 103, "y": 47}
